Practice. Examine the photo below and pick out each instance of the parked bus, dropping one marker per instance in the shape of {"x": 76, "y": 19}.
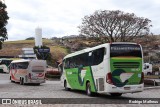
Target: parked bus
{"x": 4, "y": 63}
{"x": 111, "y": 68}
{"x": 28, "y": 71}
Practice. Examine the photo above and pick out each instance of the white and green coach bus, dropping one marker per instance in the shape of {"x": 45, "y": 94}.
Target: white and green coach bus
{"x": 4, "y": 65}
{"x": 111, "y": 68}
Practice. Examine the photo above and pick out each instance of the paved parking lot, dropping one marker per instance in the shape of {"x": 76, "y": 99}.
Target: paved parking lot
{"x": 53, "y": 89}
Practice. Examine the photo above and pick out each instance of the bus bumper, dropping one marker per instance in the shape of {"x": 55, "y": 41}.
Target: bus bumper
{"x": 36, "y": 81}
{"x": 124, "y": 89}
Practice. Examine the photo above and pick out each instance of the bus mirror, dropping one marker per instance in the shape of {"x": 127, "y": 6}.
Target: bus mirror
{"x": 90, "y": 54}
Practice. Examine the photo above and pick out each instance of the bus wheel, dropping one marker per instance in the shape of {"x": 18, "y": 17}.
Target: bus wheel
{"x": 21, "y": 81}
{"x": 37, "y": 84}
{"x": 88, "y": 89}
{"x": 10, "y": 79}
{"x": 116, "y": 94}
{"x": 65, "y": 86}
{"x": 148, "y": 73}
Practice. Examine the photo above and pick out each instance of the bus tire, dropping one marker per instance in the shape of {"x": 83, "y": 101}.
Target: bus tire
{"x": 148, "y": 73}
{"x": 88, "y": 89}
{"x": 21, "y": 81}
{"x": 37, "y": 84}
{"x": 11, "y": 79}
{"x": 65, "y": 86}
{"x": 116, "y": 94}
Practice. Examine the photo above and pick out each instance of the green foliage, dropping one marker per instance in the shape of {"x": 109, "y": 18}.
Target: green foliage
{"x": 52, "y": 76}
{"x": 30, "y": 38}
{"x": 155, "y": 68}
{"x": 3, "y": 22}
{"x": 47, "y": 56}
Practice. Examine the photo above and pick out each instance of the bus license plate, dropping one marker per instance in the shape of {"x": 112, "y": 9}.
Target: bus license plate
{"x": 127, "y": 88}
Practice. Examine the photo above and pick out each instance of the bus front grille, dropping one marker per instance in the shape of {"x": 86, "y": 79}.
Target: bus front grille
{"x": 126, "y": 64}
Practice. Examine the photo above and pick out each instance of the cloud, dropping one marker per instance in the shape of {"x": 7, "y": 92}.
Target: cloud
{"x": 61, "y": 17}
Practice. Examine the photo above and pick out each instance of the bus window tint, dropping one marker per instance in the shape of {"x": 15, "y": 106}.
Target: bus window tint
{"x": 85, "y": 59}
{"x": 82, "y": 60}
{"x": 11, "y": 66}
{"x": 66, "y": 64}
{"x": 118, "y": 50}
{"x": 77, "y": 61}
{"x": 23, "y": 65}
{"x": 6, "y": 62}
{"x": 97, "y": 56}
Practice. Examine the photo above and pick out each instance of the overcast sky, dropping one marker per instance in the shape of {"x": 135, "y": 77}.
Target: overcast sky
{"x": 61, "y": 17}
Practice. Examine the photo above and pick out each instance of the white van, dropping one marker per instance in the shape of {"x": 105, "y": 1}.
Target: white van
{"x": 28, "y": 71}
{"x": 147, "y": 69}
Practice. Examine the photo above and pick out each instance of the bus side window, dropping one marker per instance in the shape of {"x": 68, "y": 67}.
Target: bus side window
{"x": 63, "y": 63}
{"x": 10, "y": 66}
{"x": 98, "y": 56}
{"x": 72, "y": 62}
{"x": 15, "y": 66}
{"x": 67, "y": 64}
{"x": 90, "y": 60}
{"x": 105, "y": 51}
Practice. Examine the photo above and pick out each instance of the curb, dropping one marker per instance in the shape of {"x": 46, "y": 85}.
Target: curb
{"x": 154, "y": 87}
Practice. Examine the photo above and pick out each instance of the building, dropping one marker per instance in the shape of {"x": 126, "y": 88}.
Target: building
{"x": 28, "y": 53}
{"x": 38, "y": 37}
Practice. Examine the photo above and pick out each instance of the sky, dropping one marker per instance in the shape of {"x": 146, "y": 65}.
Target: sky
{"x": 59, "y": 18}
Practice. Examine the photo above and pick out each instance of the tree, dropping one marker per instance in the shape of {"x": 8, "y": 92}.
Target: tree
{"x": 114, "y": 25}
{"x": 3, "y": 22}
{"x": 30, "y": 38}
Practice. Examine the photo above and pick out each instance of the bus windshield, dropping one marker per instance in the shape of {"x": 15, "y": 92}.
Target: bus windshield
{"x": 125, "y": 50}
{"x": 22, "y": 65}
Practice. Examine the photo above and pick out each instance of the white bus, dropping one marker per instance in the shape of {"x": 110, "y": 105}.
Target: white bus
{"x": 28, "y": 71}
{"x": 4, "y": 65}
{"x": 111, "y": 68}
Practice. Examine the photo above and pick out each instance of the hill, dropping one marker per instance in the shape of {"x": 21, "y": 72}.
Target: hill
{"x": 14, "y": 48}
{"x": 60, "y": 47}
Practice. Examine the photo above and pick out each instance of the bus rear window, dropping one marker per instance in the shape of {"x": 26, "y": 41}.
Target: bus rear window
{"x": 125, "y": 50}
{"x": 37, "y": 69}
{"x": 22, "y": 65}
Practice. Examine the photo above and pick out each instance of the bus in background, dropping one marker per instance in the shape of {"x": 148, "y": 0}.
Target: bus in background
{"x": 28, "y": 71}
{"x": 147, "y": 69}
{"x": 4, "y": 65}
{"x": 111, "y": 68}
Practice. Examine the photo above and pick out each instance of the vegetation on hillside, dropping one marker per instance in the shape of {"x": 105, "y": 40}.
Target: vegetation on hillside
{"x": 14, "y": 48}
{"x": 59, "y": 47}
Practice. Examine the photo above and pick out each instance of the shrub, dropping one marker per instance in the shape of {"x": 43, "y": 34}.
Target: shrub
{"x": 155, "y": 68}
{"x": 53, "y": 72}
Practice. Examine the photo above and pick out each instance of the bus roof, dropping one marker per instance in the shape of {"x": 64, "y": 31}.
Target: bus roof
{"x": 85, "y": 50}
{"x": 123, "y": 43}
{"x": 21, "y": 60}
{"x": 5, "y": 59}
{"x": 93, "y": 48}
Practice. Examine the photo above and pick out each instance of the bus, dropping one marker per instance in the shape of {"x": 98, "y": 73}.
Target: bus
{"x": 4, "y": 65}
{"x": 111, "y": 68}
{"x": 28, "y": 71}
